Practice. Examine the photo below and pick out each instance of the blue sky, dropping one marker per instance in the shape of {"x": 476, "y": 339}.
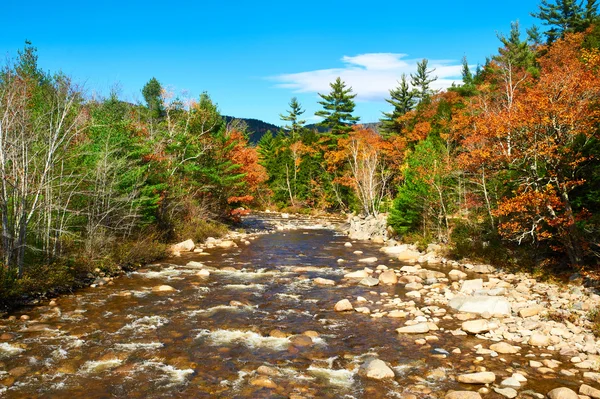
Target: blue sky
{"x": 252, "y": 57}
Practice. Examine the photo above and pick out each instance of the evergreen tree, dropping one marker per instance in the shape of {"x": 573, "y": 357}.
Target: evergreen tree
{"x": 516, "y": 53}
{"x": 565, "y": 16}
{"x": 422, "y": 80}
{"x": 152, "y": 94}
{"x": 292, "y": 116}
{"x": 338, "y": 106}
{"x": 467, "y": 76}
{"x": 402, "y": 98}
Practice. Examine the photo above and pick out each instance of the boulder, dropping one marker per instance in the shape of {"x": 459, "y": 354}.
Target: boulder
{"x": 343, "y": 305}
{"x": 323, "y": 281}
{"x": 184, "y": 246}
{"x": 357, "y": 274}
{"x": 494, "y": 305}
{"x": 504, "y": 348}
{"x": 476, "y": 326}
{"x": 562, "y": 393}
{"x": 456, "y": 275}
{"x": 388, "y": 277}
{"x": 538, "y": 339}
{"x": 375, "y": 369}
{"x": 483, "y": 269}
{"x": 470, "y": 286}
{"x": 589, "y": 391}
{"x": 369, "y": 282}
{"x": 163, "y": 288}
{"x": 484, "y": 377}
{"x": 419, "y": 328}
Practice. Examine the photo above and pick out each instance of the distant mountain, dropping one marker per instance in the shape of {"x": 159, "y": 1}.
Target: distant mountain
{"x": 256, "y": 128}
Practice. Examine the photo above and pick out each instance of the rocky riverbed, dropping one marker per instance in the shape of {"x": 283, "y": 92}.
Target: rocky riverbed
{"x": 306, "y": 312}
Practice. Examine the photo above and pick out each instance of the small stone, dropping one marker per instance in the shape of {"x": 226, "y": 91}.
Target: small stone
{"x": 343, "y": 306}
{"x": 484, "y": 377}
{"x": 368, "y": 260}
{"x": 509, "y": 393}
{"x": 538, "y": 339}
{"x": 530, "y": 311}
{"x": 476, "y": 326}
{"x": 163, "y": 288}
{"x": 323, "y": 281}
{"x": 369, "y": 282}
{"x": 301, "y": 341}
{"x": 462, "y": 395}
{"x": 375, "y": 369}
{"x": 419, "y": 328}
{"x": 388, "y": 277}
{"x": 504, "y": 348}
{"x": 263, "y": 382}
{"x": 511, "y": 382}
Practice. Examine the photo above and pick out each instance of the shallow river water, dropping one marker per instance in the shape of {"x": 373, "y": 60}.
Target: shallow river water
{"x": 126, "y": 341}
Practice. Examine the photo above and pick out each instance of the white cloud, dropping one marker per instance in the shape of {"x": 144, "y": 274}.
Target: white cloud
{"x": 370, "y": 75}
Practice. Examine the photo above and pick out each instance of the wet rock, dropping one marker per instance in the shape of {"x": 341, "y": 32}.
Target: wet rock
{"x": 562, "y": 393}
{"x": 375, "y": 369}
{"x": 323, "y": 281}
{"x": 504, "y": 348}
{"x": 267, "y": 370}
{"x": 18, "y": 371}
{"x": 509, "y": 393}
{"x": 589, "y": 391}
{"x": 227, "y": 244}
{"x": 6, "y": 336}
{"x": 194, "y": 265}
{"x": 311, "y": 333}
{"x": 371, "y": 259}
{"x": 388, "y": 277}
{"x": 301, "y": 341}
{"x": 511, "y": 382}
{"x": 343, "y": 305}
{"x": 369, "y": 282}
{"x": 203, "y": 273}
{"x": 493, "y": 305}
{"x": 419, "y": 328}
{"x": 277, "y": 334}
{"x": 357, "y": 274}
{"x": 476, "y": 326}
{"x": 184, "y": 246}
{"x": 348, "y": 245}
{"x": 462, "y": 395}
{"x": 397, "y": 314}
{"x": 263, "y": 382}
{"x": 163, "y": 288}
{"x": 24, "y": 317}
{"x": 484, "y": 377}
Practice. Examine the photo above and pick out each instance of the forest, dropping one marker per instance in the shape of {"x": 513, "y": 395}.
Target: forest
{"x": 503, "y": 167}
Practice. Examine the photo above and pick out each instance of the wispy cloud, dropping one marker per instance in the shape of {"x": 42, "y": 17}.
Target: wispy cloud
{"x": 371, "y": 75}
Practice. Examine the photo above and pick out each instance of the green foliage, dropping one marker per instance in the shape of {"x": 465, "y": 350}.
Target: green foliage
{"x": 152, "y": 94}
{"x": 416, "y": 204}
{"x": 338, "y": 107}
{"x": 402, "y": 98}
{"x": 293, "y": 115}
{"x": 566, "y": 16}
{"x": 421, "y": 81}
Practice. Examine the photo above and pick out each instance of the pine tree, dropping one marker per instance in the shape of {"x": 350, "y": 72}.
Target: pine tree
{"x": 403, "y": 101}
{"x": 337, "y": 108}
{"x": 292, "y": 116}
{"x": 515, "y": 52}
{"x": 565, "y": 16}
{"x": 422, "y": 80}
{"x": 152, "y": 94}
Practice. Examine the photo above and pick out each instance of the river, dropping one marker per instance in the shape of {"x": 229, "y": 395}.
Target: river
{"x": 232, "y": 334}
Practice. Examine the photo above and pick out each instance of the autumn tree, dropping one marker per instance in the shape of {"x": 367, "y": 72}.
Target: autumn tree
{"x": 338, "y": 107}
